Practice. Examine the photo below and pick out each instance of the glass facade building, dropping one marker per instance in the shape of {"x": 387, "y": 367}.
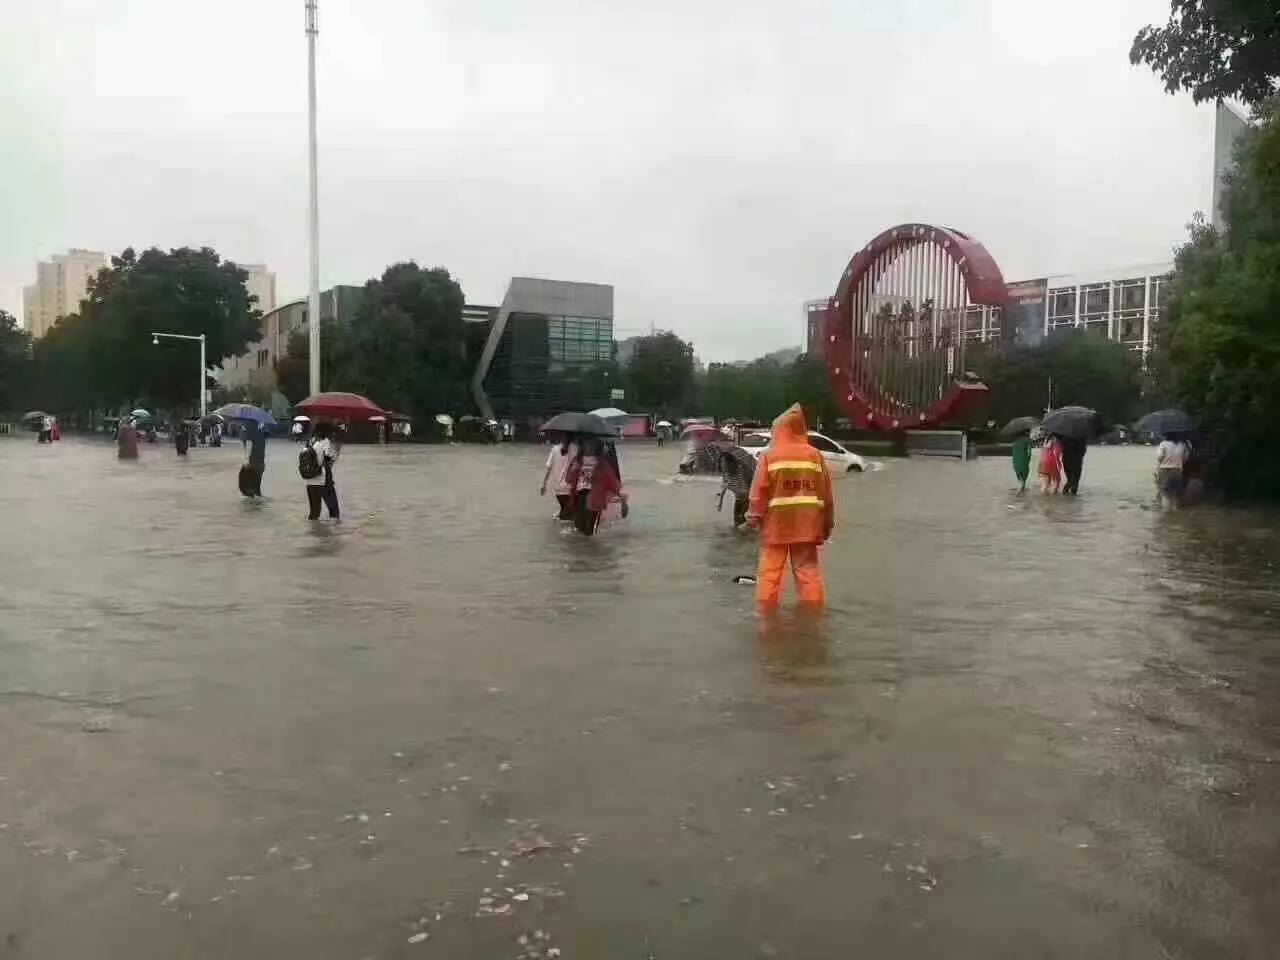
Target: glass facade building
{"x": 549, "y": 348}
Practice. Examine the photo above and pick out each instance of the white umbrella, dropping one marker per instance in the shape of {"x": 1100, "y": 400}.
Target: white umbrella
{"x": 301, "y": 418}
{"x": 663, "y": 423}
{"x": 610, "y": 413}
{"x": 444, "y": 420}
{"x": 377, "y": 419}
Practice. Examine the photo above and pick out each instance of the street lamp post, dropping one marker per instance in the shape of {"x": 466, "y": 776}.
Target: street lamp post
{"x": 313, "y": 208}
{"x": 155, "y": 339}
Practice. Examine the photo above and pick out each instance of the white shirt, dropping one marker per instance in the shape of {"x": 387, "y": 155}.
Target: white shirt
{"x": 558, "y": 463}
{"x": 326, "y": 450}
{"x": 1171, "y": 454}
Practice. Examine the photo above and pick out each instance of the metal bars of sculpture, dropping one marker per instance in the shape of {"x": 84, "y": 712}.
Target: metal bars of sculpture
{"x": 894, "y": 332}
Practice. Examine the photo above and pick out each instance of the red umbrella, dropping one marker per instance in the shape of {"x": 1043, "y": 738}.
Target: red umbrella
{"x": 340, "y": 406}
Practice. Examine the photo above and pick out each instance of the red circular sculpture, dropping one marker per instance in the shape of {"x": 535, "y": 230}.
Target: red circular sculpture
{"x": 894, "y": 331}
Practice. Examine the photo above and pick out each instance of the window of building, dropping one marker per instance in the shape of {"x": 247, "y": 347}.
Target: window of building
{"x": 263, "y": 357}
{"x": 1129, "y": 326}
{"x": 1095, "y": 305}
{"x": 1159, "y": 289}
{"x": 973, "y": 323}
{"x": 1131, "y": 294}
{"x": 1062, "y": 307}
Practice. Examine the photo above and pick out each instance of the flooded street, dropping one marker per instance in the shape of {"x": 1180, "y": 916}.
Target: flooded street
{"x": 1024, "y": 727}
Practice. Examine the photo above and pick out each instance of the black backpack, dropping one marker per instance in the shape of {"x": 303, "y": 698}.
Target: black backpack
{"x": 308, "y": 463}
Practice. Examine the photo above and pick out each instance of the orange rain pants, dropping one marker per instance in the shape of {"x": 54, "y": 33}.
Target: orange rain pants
{"x": 804, "y": 566}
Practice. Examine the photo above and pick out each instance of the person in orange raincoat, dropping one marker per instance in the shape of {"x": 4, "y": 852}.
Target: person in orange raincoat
{"x": 792, "y": 504}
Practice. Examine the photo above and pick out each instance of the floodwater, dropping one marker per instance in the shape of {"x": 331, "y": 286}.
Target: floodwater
{"x": 1025, "y": 726}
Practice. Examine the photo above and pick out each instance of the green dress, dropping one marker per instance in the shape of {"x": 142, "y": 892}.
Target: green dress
{"x": 1022, "y": 458}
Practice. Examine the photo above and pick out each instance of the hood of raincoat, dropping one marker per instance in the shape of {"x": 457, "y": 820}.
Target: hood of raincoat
{"x": 790, "y": 427}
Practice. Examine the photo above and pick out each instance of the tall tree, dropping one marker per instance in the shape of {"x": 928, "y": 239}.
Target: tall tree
{"x": 1219, "y": 338}
{"x": 408, "y": 342}
{"x": 293, "y": 371}
{"x": 15, "y": 361}
{"x": 103, "y": 355}
{"x": 660, "y": 373}
{"x": 406, "y": 348}
{"x": 807, "y": 384}
{"x": 1216, "y": 49}
{"x": 1071, "y": 367}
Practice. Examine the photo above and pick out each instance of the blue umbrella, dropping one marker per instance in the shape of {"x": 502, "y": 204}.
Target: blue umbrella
{"x": 246, "y": 411}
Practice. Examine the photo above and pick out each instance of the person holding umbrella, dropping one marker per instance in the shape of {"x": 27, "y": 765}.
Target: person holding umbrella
{"x": 737, "y": 471}
{"x": 596, "y": 478}
{"x": 254, "y": 438}
{"x": 1171, "y": 461}
{"x": 562, "y": 454}
{"x": 1073, "y": 426}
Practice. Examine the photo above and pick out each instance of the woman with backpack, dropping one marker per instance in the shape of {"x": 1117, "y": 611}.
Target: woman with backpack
{"x": 315, "y": 465}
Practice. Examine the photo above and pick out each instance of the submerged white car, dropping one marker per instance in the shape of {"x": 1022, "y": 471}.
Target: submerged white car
{"x": 838, "y": 458}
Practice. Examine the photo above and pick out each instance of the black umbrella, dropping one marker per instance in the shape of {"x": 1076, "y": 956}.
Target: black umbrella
{"x": 1075, "y": 423}
{"x": 1165, "y": 422}
{"x": 1019, "y": 425}
{"x": 584, "y": 423}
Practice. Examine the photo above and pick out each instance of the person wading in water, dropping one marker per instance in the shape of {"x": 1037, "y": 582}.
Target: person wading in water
{"x": 792, "y": 504}
{"x": 315, "y": 464}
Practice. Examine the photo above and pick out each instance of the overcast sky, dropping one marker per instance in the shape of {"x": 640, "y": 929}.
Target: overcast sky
{"x": 717, "y": 162}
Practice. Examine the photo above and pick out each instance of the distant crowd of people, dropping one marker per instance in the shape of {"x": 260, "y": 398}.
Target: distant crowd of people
{"x": 1061, "y": 463}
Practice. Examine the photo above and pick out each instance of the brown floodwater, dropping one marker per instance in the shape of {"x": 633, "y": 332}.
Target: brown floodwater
{"x": 1024, "y": 727}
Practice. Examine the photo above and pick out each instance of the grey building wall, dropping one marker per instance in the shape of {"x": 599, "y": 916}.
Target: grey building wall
{"x": 533, "y": 305}
{"x": 1227, "y": 127}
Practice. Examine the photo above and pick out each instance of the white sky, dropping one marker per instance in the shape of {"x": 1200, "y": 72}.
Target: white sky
{"x": 717, "y": 162}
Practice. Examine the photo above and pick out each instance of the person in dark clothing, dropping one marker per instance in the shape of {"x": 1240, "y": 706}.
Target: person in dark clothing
{"x": 181, "y": 439}
{"x": 255, "y": 456}
{"x": 1073, "y": 449}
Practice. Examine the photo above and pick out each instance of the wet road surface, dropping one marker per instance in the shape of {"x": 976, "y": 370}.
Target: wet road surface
{"x": 1025, "y": 727}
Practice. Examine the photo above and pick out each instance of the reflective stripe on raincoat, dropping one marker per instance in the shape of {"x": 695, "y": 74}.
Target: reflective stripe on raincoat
{"x": 791, "y": 494}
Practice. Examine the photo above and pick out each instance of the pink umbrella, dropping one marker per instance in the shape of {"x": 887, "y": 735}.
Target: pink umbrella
{"x": 340, "y": 406}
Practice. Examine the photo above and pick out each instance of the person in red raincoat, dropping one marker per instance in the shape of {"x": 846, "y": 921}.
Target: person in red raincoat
{"x": 793, "y": 506}
{"x": 595, "y": 475}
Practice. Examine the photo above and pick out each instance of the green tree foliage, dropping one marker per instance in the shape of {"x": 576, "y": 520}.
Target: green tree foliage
{"x": 103, "y": 357}
{"x": 659, "y": 375}
{"x": 807, "y": 384}
{"x": 1216, "y": 49}
{"x": 15, "y": 361}
{"x": 753, "y": 391}
{"x": 1219, "y": 338}
{"x": 293, "y": 371}
{"x": 406, "y": 348}
{"x": 762, "y": 389}
{"x": 1078, "y": 366}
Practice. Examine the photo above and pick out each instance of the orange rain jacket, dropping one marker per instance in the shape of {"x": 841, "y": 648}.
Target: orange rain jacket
{"x": 791, "y": 495}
